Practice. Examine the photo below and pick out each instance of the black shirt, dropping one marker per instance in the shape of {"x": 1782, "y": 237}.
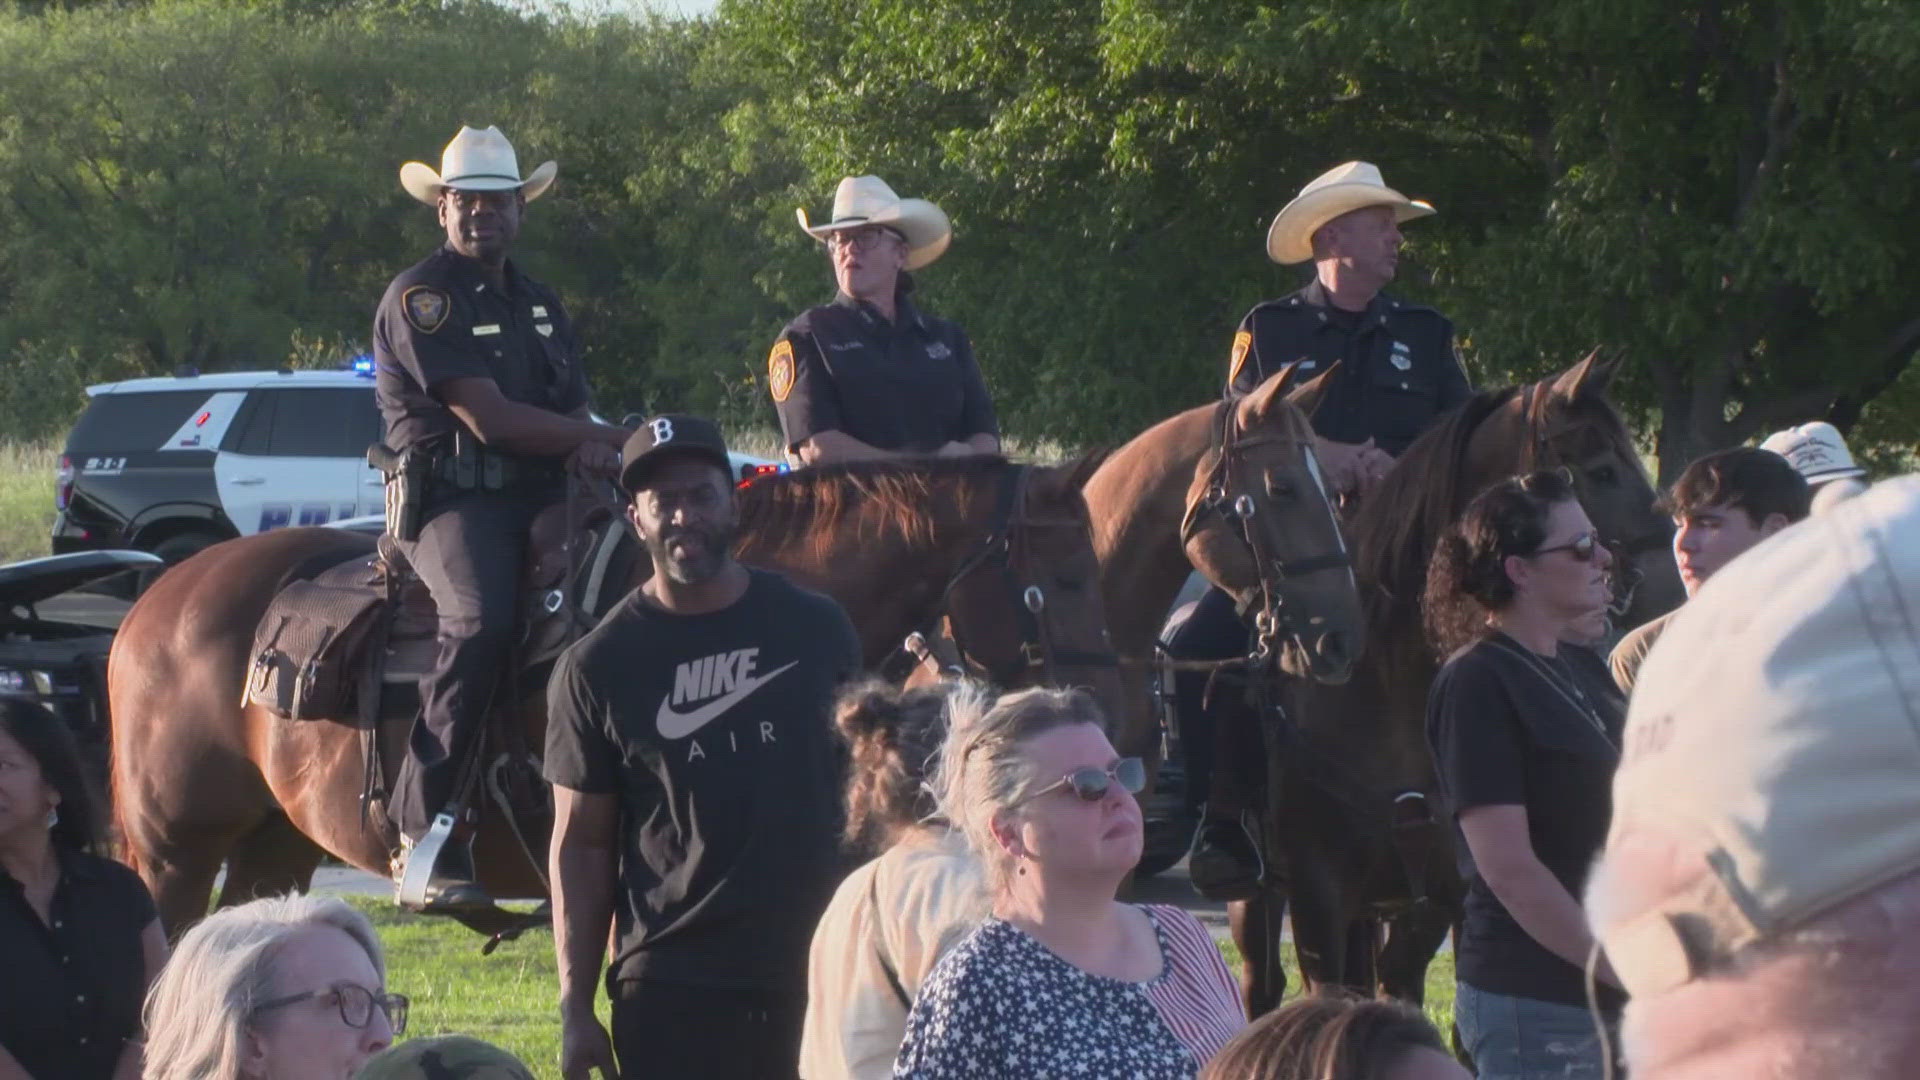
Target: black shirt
{"x": 442, "y": 320}
{"x": 714, "y": 732}
{"x": 1398, "y": 373}
{"x": 71, "y": 987}
{"x": 909, "y": 385}
{"x": 1510, "y": 727}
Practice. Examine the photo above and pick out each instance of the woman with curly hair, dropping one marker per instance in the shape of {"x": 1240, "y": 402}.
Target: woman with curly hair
{"x": 894, "y": 917}
{"x": 1525, "y": 730}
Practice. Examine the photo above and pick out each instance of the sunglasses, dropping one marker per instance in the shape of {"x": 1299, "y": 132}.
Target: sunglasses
{"x": 1092, "y": 783}
{"x": 1580, "y": 547}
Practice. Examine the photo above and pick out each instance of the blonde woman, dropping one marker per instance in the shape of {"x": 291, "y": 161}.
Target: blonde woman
{"x": 1063, "y": 979}
{"x": 894, "y": 917}
{"x": 289, "y": 988}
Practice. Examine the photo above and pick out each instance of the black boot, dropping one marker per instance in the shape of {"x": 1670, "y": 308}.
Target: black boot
{"x": 1224, "y": 863}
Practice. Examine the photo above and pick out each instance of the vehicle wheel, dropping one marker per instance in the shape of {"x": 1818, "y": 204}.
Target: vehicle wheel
{"x": 174, "y": 550}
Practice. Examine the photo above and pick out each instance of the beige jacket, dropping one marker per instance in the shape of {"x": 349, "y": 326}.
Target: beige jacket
{"x": 899, "y": 913}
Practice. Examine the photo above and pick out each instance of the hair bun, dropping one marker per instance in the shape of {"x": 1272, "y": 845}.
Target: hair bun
{"x": 867, "y": 710}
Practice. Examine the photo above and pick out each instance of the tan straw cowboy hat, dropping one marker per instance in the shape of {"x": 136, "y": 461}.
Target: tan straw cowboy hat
{"x": 476, "y": 161}
{"x": 1340, "y": 190}
{"x": 867, "y": 200}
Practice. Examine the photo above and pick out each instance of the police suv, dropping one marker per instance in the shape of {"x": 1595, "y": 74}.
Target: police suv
{"x": 173, "y": 465}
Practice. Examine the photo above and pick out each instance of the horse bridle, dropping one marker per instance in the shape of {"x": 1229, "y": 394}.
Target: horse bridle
{"x": 1540, "y": 451}
{"x": 1222, "y": 497}
{"x": 1007, "y": 552}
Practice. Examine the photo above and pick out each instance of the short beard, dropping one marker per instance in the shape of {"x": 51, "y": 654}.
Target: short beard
{"x": 718, "y": 543}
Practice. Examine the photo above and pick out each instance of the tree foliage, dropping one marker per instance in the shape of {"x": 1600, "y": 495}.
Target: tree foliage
{"x": 1723, "y": 191}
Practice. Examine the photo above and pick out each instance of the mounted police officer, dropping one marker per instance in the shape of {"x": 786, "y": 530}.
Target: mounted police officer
{"x": 1397, "y": 375}
{"x": 484, "y": 401}
{"x": 870, "y": 375}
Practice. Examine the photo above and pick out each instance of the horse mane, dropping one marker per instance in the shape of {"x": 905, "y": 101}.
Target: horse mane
{"x": 885, "y": 497}
{"x": 1400, "y": 520}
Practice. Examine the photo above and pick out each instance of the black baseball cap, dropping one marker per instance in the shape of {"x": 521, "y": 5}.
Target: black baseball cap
{"x": 666, "y": 435}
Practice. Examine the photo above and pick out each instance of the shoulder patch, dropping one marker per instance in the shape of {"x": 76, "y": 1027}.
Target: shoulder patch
{"x": 780, "y": 370}
{"x": 1242, "y": 342}
{"x": 427, "y": 307}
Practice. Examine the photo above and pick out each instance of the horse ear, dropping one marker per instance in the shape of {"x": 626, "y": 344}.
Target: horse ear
{"x": 1306, "y": 397}
{"x": 1261, "y": 400}
{"x": 1587, "y": 379}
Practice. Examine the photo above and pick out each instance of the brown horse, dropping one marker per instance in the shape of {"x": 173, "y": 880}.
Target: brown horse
{"x": 200, "y": 780}
{"x": 1232, "y": 490}
{"x": 1356, "y": 823}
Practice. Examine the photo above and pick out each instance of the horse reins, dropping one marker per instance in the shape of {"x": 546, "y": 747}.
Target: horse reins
{"x": 1219, "y": 497}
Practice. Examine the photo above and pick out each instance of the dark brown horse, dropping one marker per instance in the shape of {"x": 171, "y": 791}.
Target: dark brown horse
{"x": 200, "y": 780}
{"x": 1233, "y": 491}
{"x": 1356, "y": 824}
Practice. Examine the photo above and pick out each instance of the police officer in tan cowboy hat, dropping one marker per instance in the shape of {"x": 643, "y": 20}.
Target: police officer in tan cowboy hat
{"x": 1397, "y": 375}
{"x": 479, "y": 382}
{"x": 871, "y": 375}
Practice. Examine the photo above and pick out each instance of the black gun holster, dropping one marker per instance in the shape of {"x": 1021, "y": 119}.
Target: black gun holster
{"x": 409, "y": 473}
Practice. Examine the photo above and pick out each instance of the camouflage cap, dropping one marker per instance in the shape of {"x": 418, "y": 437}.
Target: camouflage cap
{"x": 444, "y": 1057}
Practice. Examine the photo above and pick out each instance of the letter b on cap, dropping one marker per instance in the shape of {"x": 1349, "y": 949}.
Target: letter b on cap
{"x": 662, "y": 430}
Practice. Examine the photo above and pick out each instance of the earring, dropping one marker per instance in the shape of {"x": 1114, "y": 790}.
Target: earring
{"x": 53, "y": 816}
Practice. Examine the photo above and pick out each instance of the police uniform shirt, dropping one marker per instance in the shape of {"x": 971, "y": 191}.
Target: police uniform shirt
{"x": 909, "y": 385}
{"x": 443, "y": 320}
{"x": 1399, "y": 371}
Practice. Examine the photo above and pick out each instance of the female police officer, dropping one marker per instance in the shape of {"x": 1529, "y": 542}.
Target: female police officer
{"x": 870, "y": 375}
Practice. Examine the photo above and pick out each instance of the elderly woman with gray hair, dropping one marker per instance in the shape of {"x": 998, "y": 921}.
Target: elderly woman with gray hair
{"x": 289, "y": 988}
{"x": 1063, "y": 978}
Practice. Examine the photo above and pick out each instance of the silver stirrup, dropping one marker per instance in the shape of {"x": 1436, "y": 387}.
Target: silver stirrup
{"x": 422, "y": 857}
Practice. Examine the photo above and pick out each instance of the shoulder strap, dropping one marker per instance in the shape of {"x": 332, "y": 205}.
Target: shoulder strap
{"x": 879, "y": 946}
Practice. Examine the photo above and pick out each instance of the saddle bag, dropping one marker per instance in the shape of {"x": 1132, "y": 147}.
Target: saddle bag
{"x": 308, "y": 648}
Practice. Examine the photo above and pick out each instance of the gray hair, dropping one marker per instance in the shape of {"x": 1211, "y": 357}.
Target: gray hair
{"x": 984, "y": 766}
{"x": 198, "y": 1010}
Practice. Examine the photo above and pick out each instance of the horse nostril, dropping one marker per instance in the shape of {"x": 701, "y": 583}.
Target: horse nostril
{"x": 1333, "y": 647}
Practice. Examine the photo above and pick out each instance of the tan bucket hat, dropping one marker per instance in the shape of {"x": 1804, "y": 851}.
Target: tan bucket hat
{"x": 867, "y": 200}
{"x": 476, "y": 161}
{"x": 1340, "y": 190}
{"x": 1774, "y": 737}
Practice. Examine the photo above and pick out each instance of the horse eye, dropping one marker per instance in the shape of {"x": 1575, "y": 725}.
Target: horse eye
{"x": 1605, "y": 475}
{"x": 1279, "y": 488}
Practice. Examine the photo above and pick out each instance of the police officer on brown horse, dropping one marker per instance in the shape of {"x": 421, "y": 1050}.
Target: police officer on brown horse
{"x": 1397, "y": 374}
{"x": 871, "y": 375}
{"x": 484, "y": 400}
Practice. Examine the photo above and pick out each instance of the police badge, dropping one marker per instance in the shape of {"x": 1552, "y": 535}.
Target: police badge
{"x": 426, "y": 307}
{"x": 780, "y": 370}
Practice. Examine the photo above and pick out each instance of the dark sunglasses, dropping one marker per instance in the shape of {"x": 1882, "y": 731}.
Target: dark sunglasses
{"x": 1581, "y": 547}
{"x": 356, "y": 1005}
{"x": 1092, "y": 783}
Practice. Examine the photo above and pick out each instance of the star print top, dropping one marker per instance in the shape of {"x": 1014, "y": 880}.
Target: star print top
{"x": 1001, "y": 1004}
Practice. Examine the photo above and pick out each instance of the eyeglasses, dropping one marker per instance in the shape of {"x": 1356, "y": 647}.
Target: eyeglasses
{"x": 1093, "y": 783}
{"x": 867, "y": 237}
{"x": 1580, "y": 547}
{"x": 355, "y": 1003}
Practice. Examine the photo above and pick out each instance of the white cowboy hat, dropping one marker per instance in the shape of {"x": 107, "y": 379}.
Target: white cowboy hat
{"x": 476, "y": 161}
{"x": 1815, "y": 450}
{"x": 867, "y": 200}
{"x": 1340, "y": 190}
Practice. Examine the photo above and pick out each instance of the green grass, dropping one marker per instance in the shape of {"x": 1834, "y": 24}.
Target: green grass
{"x": 509, "y": 998}
{"x": 26, "y": 498}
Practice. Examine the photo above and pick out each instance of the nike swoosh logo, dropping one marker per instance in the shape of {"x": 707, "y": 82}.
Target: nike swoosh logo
{"x": 679, "y": 725}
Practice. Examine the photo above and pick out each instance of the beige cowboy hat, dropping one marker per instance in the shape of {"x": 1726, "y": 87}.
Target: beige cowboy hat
{"x": 476, "y": 160}
{"x": 867, "y": 200}
{"x": 1340, "y": 190}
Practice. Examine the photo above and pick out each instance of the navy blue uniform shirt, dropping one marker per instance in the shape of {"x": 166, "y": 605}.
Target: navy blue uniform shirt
{"x": 1399, "y": 373}
{"x": 441, "y": 320}
{"x": 909, "y": 385}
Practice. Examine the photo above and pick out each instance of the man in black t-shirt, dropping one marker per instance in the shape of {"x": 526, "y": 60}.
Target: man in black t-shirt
{"x": 696, "y": 788}
{"x": 871, "y": 375}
